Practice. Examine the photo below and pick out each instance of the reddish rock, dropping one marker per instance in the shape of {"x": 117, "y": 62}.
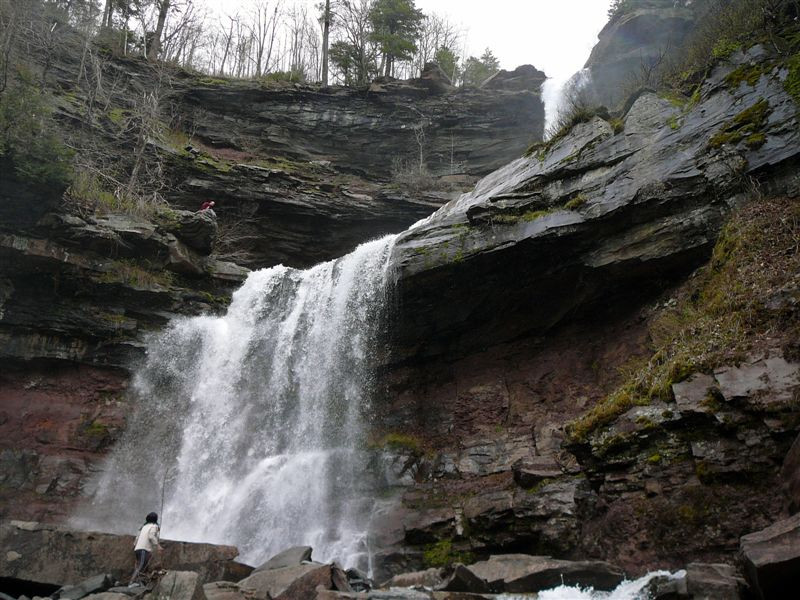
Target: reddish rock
{"x": 771, "y": 558}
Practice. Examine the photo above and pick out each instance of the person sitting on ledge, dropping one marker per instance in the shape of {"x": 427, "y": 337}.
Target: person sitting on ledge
{"x": 146, "y": 541}
{"x": 208, "y": 208}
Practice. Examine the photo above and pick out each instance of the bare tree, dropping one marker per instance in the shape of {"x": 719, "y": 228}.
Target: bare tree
{"x": 262, "y": 28}
{"x": 326, "y": 31}
{"x": 155, "y": 47}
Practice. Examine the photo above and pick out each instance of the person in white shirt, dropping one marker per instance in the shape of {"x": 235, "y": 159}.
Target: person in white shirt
{"x": 146, "y": 541}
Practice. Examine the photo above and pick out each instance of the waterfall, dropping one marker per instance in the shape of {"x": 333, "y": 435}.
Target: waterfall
{"x": 254, "y": 423}
{"x": 556, "y": 92}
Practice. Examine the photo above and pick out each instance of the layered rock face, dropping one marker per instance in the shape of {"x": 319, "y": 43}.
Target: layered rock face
{"x": 352, "y": 160}
{"x": 523, "y": 269}
{"x": 79, "y": 292}
{"x": 364, "y": 131}
{"x": 598, "y": 215}
{"x": 633, "y": 44}
{"x": 303, "y": 174}
{"x": 77, "y": 296}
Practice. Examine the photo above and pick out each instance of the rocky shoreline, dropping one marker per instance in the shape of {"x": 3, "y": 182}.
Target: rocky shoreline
{"x": 64, "y": 564}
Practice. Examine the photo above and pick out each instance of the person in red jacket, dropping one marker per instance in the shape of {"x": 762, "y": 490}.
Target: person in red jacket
{"x": 208, "y": 204}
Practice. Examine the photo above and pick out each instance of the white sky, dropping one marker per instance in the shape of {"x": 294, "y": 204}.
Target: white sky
{"x": 556, "y": 36}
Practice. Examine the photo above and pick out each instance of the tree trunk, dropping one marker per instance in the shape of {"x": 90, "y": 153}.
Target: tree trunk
{"x": 107, "y": 14}
{"x": 326, "y": 30}
{"x": 155, "y": 46}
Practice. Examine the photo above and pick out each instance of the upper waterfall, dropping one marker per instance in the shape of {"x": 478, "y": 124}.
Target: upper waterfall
{"x": 252, "y": 424}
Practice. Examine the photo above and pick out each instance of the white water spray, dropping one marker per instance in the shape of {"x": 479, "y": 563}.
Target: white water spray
{"x": 555, "y": 95}
{"x": 258, "y": 417}
{"x": 627, "y": 590}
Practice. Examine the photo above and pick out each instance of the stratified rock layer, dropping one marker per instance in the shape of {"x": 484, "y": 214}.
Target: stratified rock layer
{"x": 598, "y": 217}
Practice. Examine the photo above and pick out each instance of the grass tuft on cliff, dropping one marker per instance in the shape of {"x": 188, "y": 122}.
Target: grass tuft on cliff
{"x": 739, "y": 303}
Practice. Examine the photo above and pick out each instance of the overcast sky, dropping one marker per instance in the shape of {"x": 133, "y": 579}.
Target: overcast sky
{"x": 554, "y": 35}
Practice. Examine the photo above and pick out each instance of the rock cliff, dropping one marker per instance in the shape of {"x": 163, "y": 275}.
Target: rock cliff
{"x": 632, "y": 45}
{"x": 540, "y": 275}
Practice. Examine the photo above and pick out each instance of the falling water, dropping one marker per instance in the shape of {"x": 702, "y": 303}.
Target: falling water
{"x": 555, "y": 94}
{"x": 253, "y": 423}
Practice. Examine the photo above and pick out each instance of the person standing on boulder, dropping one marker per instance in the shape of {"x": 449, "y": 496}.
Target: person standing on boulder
{"x": 146, "y": 541}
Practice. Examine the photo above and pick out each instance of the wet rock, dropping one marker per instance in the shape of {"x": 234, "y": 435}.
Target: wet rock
{"x": 287, "y": 583}
{"x": 522, "y": 573}
{"x": 288, "y": 558}
{"x": 223, "y": 590}
{"x": 429, "y": 578}
{"x": 771, "y": 558}
{"x": 339, "y": 579}
{"x": 82, "y": 554}
{"x": 668, "y": 588}
{"x": 93, "y": 585}
{"x": 358, "y": 580}
{"x": 110, "y": 596}
{"x": 178, "y": 585}
{"x": 714, "y": 581}
{"x": 462, "y": 579}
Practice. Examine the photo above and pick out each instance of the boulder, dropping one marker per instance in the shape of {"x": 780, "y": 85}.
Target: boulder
{"x": 771, "y": 558}
{"x": 288, "y": 558}
{"x": 429, "y": 578}
{"x": 524, "y": 78}
{"x": 93, "y": 585}
{"x": 462, "y": 579}
{"x": 287, "y": 582}
{"x": 222, "y": 590}
{"x": 198, "y": 230}
{"x": 522, "y": 573}
{"x": 714, "y": 582}
{"x": 358, "y": 580}
{"x": 667, "y": 587}
{"x": 108, "y": 596}
{"x": 178, "y": 585}
{"x": 339, "y": 579}
{"x": 58, "y": 556}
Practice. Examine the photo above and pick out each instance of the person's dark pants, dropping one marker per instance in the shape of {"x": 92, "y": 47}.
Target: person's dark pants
{"x": 142, "y": 559}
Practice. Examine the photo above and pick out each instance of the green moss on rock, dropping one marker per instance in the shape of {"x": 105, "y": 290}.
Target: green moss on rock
{"x": 792, "y": 82}
{"x": 442, "y": 554}
{"x": 748, "y": 123}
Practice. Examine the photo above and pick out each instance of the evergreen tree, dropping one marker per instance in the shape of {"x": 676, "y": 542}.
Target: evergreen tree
{"x": 395, "y": 27}
{"x": 448, "y": 62}
{"x": 478, "y": 70}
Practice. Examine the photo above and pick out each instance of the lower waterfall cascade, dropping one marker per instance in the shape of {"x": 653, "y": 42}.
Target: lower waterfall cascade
{"x": 250, "y": 427}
